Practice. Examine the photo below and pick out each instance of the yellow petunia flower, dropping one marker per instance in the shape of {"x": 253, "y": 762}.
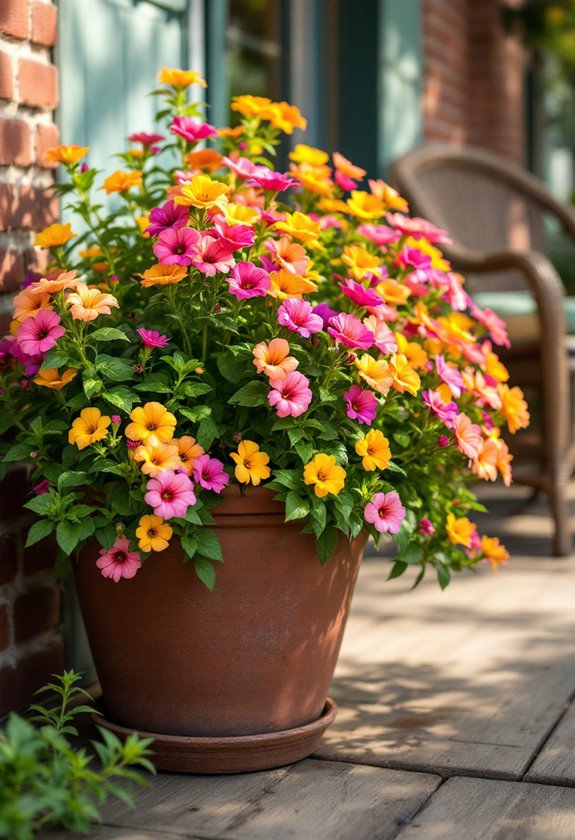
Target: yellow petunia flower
{"x": 514, "y": 408}
{"x": 65, "y": 154}
{"x": 376, "y": 372}
{"x": 203, "y": 192}
{"x": 494, "y": 551}
{"x": 301, "y": 227}
{"x": 251, "y": 463}
{"x": 364, "y": 205}
{"x": 392, "y": 292}
{"x": 250, "y": 106}
{"x": 89, "y": 427}
{"x": 325, "y": 474}
{"x": 155, "y": 456}
{"x": 54, "y": 235}
{"x": 163, "y": 275}
{"x": 121, "y": 182}
{"x": 374, "y": 450}
{"x": 284, "y": 117}
{"x": 151, "y": 419}
{"x": 240, "y": 214}
{"x": 460, "y": 531}
{"x": 51, "y": 378}
{"x": 416, "y": 355}
{"x": 359, "y": 261}
{"x": 153, "y": 533}
{"x": 180, "y": 78}
{"x": 405, "y": 378}
{"x": 303, "y": 153}
{"x": 391, "y": 199}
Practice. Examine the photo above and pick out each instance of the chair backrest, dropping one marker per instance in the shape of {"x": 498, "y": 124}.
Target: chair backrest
{"x": 484, "y": 202}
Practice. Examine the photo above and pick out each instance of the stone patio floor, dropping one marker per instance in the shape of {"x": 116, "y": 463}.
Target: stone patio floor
{"x": 456, "y": 716}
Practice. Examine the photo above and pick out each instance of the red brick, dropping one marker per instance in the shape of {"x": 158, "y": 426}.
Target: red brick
{"x": 4, "y": 627}
{"x": 38, "y": 85}
{"x": 6, "y": 206}
{"x": 17, "y": 685}
{"x": 14, "y": 492}
{"x": 8, "y": 558}
{"x": 14, "y": 142}
{"x": 36, "y": 612}
{"x": 14, "y": 18}
{"x": 40, "y": 557}
{"x": 6, "y": 77}
{"x": 46, "y": 137}
{"x": 44, "y": 29}
{"x": 34, "y": 208}
{"x": 11, "y": 269}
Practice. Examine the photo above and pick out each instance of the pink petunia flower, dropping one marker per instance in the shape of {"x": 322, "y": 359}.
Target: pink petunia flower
{"x": 344, "y": 181}
{"x": 385, "y": 512}
{"x": 297, "y": 316}
{"x": 468, "y": 435}
{"x": 414, "y": 259}
{"x": 170, "y": 494}
{"x": 267, "y": 179}
{"x": 242, "y": 167}
{"x": 42, "y": 487}
{"x": 119, "y": 562}
{"x": 209, "y": 473}
{"x": 450, "y": 375}
{"x": 177, "y": 246}
{"x": 445, "y": 411}
{"x": 361, "y": 405}
{"x": 291, "y": 395}
{"x": 169, "y": 215}
{"x": 380, "y": 235}
{"x": 191, "y": 129}
{"x": 349, "y": 330}
{"x": 39, "y": 334}
{"x": 248, "y": 281}
{"x": 212, "y": 256}
{"x": 233, "y": 237}
{"x": 145, "y": 139}
{"x": 359, "y": 294}
{"x": 384, "y": 339}
{"x": 152, "y": 338}
{"x": 495, "y": 325}
{"x": 443, "y": 441}
{"x": 426, "y": 527}
{"x": 417, "y": 228}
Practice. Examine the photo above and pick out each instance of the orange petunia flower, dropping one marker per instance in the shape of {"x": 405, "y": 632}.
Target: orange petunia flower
{"x": 391, "y": 199}
{"x": 65, "y": 154}
{"x": 163, "y": 275}
{"x": 284, "y": 117}
{"x": 54, "y": 236}
{"x": 325, "y": 474}
{"x": 180, "y": 78}
{"x": 90, "y": 427}
{"x": 89, "y": 254}
{"x": 250, "y": 106}
{"x": 376, "y": 372}
{"x": 346, "y": 167}
{"x": 121, "y": 182}
{"x": 485, "y": 464}
{"x": 416, "y": 355}
{"x": 209, "y": 159}
{"x": 494, "y": 551}
{"x": 51, "y": 378}
{"x": 374, "y": 450}
{"x": 50, "y": 285}
{"x": 203, "y": 192}
{"x": 27, "y": 304}
{"x": 289, "y": 255}
{"x": 460, "y": 531}
{"x": 151, "y": 419}
{"x": 284, "y": 284}
{"x": 156, "y": 455}
{"x": 392, "y": 292}
{"x": 87, "y": 303}
{"x": 514, "y": 408}
{"x": 273, "y": 359}
{"x": 188, "y": 450}
{"x": 153, "y": 533}
{"x": 313, "y": 178}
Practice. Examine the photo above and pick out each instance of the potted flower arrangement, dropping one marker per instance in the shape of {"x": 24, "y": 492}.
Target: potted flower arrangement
{"x": 257, "y": 367}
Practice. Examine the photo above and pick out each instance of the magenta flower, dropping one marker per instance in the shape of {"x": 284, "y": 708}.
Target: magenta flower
{"x": 152, "y": 338}
{"x": 169, "y": 215}
{"x": 170, "y": 494}
{"x": 233, "y": 237}
{"x": 344, "y": 181}
{"x": 349, "y": 330}
{"x": 176, "y": 246}
{"x": 191, "y": 129}
{"x": 450, "y": 375}
{"x": 119, "y": 562}
{"x": 212, "y": 256}
{"x": 414, "y": 259}
{"x": 380, "y": 235}
{"x": 242, "y": 167}
{"x": 359, "y": 294}
{"x": 443, "y": 441}
{"x": 145, "y": 139}
{"x": 297, "y": 316}
{"x": 495, "y": 325}
{"x": 40, "y": 333}
{"x": 42, "y": 487}
{"x": 248, "y": 281}
{"x": 290, "y": 395}
{"x": 325, "y": 312}
{"x": 445, "y": 411}
{"x": 209, "y": 473}
{"x": 426, "y": 527}
{"x": 267, "y": 179}
{"x": 417, "y": 228}
{"x": 361, "y": 405}
{"x": 385, "y": 512}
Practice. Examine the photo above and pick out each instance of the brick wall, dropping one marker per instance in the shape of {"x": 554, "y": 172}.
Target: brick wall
{"x": 472, "y": 77}
{"x": 31, "y": 646}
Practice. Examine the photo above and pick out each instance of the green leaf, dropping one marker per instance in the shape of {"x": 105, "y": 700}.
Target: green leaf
{"x": 189, "y": 544}
{"x": 295, "y": 435}
{"x": 397, "y": 569}
{"x": 195, "y": 414}
{"x": 344, "y": 503}
{"x": 209, "y": 545}
{"x": 156, "y": 383}
{"x": 121, "y": 397}
{"x": 108, "y": 334}
{"x": 402, "y": 438}
{"x": 288, "y": 478}
{"x": 207, "y": 432}
{"x": 38, "y": 531}
{"x": 318, "y": 515}
{"x": 92, "y": 384}
{"x": 117, "y": 370}
{"x": 253, "y": 393}
{"x": 443, "y": 575}
{"x": 72, "y": 478}
{"x": 206, "y": 572}
{"x": 297, "y": 507}
{"x": 18, "y": 452}
{"x": 54, "y": 359}
{"x": 412, "y": 554}
{"x": 40, "y": 504}
{"x": 326, "y": 544}
{"x": 305, "y": 450}
{"x": 196, "y": 389}
{"x": 68, "y": 535}
{"x": 232, "y": 367}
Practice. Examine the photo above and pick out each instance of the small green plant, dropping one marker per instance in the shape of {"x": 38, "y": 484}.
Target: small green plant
{"x": 45, "y": 780}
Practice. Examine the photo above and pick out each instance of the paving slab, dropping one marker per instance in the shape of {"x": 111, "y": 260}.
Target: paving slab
{"x": 556, "y": 762}
{"x": 311, "y": 799}
{"x": 488, "y": 809}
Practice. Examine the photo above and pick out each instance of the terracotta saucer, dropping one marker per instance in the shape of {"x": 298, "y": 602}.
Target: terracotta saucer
{"x": 237, "y": 754}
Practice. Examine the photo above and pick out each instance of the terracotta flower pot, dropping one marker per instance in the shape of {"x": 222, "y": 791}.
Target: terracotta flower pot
{"x": 230, "y": 680}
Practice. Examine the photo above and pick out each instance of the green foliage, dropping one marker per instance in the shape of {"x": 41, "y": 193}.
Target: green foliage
{"x": 45, "y": 780}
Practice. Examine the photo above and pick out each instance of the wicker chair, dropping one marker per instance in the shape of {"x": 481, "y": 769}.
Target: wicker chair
{"x": 496, "y": 214}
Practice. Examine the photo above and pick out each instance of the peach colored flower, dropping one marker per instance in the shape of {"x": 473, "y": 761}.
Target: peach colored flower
{"x": 87, "y": 303}
{"x": 273, "y": 359}
{"x": 163, "y": 275}
{"x": 50, "y": 285}
{"x": 121, "y": 182}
